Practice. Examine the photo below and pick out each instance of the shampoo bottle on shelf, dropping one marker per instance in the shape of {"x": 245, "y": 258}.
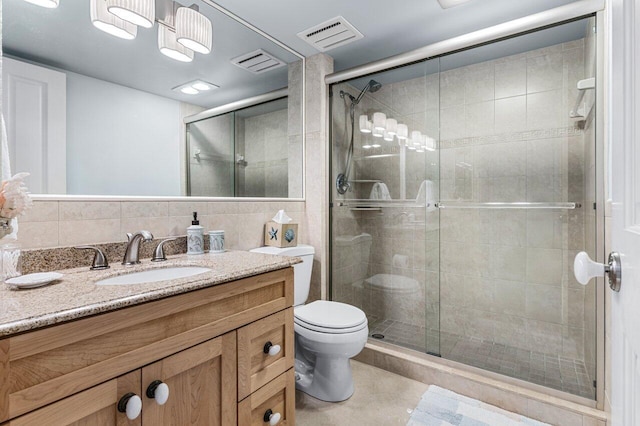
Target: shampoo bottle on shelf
{"x": 195, "y": 236}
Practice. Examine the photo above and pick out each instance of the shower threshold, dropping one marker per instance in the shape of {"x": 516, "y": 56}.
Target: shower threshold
{"x": 557, "y": 372}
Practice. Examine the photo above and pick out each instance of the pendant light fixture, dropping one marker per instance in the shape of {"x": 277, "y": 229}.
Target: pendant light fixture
{"x": 138, "y": 12}
{"x": 105, "y": 21}
{"x": 193, "y": 30}
{"x": 170, "y": 47}
{"x": 49, "y": 4}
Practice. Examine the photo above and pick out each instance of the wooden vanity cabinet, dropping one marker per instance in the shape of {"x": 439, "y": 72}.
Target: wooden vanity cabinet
{"x": 76, "y": 373}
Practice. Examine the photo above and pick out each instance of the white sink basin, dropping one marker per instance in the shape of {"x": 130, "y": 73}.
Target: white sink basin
{"x": 154, "y": 275}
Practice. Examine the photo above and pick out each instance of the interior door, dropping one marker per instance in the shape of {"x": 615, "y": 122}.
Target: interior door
{"x": 624, "y": 137}
{"x": 35, "y": 108}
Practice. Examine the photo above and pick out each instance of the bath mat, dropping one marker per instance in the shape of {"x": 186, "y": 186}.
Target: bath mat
{"x": 441, "y": 407}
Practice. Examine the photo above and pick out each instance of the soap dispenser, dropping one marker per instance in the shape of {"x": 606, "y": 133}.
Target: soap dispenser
{"x": 195, "y": 236}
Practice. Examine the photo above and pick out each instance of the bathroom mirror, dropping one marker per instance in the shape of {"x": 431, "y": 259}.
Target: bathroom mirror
{"x": 91, "y": 114}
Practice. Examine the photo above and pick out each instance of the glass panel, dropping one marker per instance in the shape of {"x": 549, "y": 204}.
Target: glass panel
{"x": 482, "y": 275}
{"x": 384, "y": 223}
{"x": 263, "y": 151}
{"x": 210, "y": 156}
{"x": 509, "y": 302}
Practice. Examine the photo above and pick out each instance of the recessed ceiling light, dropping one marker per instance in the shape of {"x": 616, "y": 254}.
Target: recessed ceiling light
{"x": 199, "y": 85}
{"x": 194, "y": 87}
{"x": 49, "y": 4}
{"x": 189, "y": 90}
{"x": 445, "y": 4}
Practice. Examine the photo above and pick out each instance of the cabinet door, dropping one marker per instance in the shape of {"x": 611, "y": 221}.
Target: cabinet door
{"x": 94, "y": 406}
{"x": 202, "y": 385}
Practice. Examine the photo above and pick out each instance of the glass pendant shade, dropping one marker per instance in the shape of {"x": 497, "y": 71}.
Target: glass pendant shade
{"x": 377, "y": 133}
{"x": 379, "y": 121}
{"x": 49, "y": 4}
{"x": 402, "y": 132}
{"x": 365, "y": 124}
{"x": 170, "y": 47}
{"x": 138, "y": 12}
{"x": 387, "y": 136}
{"x": 416, "y": 138}
{"x": 429, "y": 143}
{"x": 392, "y": 126}
{"x": 105, "y": 21}
{"x": 193, "y": 30}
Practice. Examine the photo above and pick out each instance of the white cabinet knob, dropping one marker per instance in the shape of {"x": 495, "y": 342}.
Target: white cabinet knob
{"x": 271, "y": 417}
{"x": 271, "y": 349}
{"x": 131, "y": 405}
{"x": 585, "y": 269}
{"x": 159, "y": 391}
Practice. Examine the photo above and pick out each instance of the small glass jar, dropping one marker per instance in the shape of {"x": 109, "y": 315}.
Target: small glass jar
{"x": 11, "y": 260}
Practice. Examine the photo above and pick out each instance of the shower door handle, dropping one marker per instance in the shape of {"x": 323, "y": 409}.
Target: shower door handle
{"x": 584, "y": 269}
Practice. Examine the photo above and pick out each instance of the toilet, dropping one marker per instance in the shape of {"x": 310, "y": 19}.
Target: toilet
{"x": 327, "y": 334}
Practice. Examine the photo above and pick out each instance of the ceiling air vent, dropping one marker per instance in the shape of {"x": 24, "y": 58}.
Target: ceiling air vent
{"x": 257, "y": 61}
{"x": 331, "y": 34}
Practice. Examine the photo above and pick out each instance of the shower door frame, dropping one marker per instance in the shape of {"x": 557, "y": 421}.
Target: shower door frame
{"x": 557, "y": 16}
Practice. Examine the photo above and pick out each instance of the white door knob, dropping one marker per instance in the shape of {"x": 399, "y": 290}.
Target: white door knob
{"x": 271, "y": 349}
{"x": 159, "y": 391}
{"x": 584, "y": 269}
{"x": 131, "y": 405}
{"x": 272, "y": 418}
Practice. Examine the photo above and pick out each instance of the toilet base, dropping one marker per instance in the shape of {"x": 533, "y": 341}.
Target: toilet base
{"x": 330, "y": 380}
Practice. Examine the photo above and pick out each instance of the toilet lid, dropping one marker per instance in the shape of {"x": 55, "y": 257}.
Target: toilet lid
{"x": 330, "y": 315}
{"x": 316, "y": 328}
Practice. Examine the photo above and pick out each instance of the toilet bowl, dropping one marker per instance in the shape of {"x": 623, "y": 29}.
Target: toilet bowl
{"x": 327, "y": 334}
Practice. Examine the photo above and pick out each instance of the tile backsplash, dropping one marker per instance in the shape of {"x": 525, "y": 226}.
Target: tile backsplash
{"x": 68, "y": 223}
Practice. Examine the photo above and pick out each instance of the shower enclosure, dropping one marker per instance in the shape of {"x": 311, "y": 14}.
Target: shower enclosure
{"x": 463, "y": 187}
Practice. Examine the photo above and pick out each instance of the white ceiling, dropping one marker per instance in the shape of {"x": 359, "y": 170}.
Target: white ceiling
{"x": 64, "y": 38}
{"x": 389, "y": 27}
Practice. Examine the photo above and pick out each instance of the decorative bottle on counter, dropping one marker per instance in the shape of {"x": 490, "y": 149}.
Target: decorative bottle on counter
{"x": 195, "y": 236}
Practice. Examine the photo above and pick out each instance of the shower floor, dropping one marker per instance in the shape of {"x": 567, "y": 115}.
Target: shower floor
{"x": 561, "y": 373}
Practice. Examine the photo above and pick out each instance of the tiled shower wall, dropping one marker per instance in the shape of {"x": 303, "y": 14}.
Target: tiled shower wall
{"x": 505, "y": 135}
{"x": 506, "y": 274}
{"x": 266, "y": 152}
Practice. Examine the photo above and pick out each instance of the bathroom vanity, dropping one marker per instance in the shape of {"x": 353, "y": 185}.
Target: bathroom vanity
{"x": 221, "y": 344}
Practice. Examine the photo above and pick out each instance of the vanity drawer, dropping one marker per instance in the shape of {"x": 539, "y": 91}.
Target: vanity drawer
{"x": 44, "y": 366}
{"x": 256, "y": 366}
{"x": 277, "y": 396}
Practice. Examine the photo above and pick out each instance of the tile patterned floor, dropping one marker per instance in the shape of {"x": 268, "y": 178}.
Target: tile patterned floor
{"x": 565, "y": 374}
{"x": 380, "y": 398}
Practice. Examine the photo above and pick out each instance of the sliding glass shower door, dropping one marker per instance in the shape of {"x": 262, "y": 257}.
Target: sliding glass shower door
{"x": 384, "y": 219}
{"x": 456, "y": 235}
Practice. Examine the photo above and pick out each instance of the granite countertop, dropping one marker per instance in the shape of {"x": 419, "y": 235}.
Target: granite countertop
{"x": 75, "y": 295}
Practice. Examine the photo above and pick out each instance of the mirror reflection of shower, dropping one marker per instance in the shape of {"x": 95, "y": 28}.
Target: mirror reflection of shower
{"x": 342, "y": 182}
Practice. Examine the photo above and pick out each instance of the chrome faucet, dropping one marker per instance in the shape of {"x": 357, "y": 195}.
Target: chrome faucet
{"x": 132, "y": 253}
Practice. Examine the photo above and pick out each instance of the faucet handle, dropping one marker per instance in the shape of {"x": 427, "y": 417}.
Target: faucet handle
{"x": 158, "y": 253}
{"x": 99, "y": 259}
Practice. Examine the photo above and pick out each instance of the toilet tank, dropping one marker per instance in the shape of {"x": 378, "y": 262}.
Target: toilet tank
{"x": 301, "y": 271}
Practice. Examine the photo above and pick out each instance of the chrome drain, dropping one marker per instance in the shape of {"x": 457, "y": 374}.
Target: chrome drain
{"x": 377, "y": 336}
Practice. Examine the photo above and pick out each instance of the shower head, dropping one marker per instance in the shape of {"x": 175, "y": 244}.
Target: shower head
{"x": 372, "y": 86}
